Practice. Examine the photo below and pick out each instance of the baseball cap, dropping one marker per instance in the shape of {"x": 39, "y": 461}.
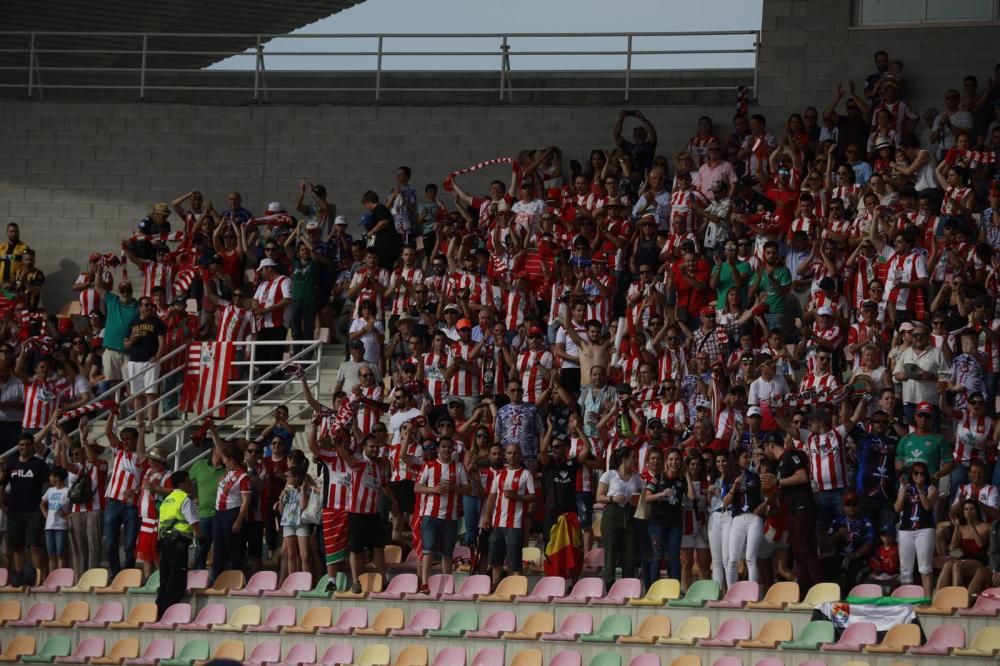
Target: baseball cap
{"x": 268, "y": 262}
{"x": 753, "y": 411}
{"x": 906, "y": 326}
{"x": 312, "y": 224}
{"x": 464, "y": 323}
{"x": 535, "y": 330}
{"x": 340, "y": 220}
{"x": 274, "y": 207}
{"x": 451, "y": 307}
{"x": 707, "y": 310}
{"x": 925, "y": 408}
{"x": 825, "y": 311}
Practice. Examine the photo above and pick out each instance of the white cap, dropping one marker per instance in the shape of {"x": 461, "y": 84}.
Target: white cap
{"x": 268, "y": 262}
{"x": 275, "y": 207}
{"x": 312, "y": 224}
{"x": 503, "y": 206}
{"x": 826, "y": 310}
{"x": 753, "y": 411}
{"x": 340, "y": 219}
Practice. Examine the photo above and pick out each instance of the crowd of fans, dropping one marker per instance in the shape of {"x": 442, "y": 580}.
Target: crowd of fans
{"x": 770, "y": 355}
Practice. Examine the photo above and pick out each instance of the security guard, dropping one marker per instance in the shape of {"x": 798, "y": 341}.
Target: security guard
{"x": 177, "y": 529}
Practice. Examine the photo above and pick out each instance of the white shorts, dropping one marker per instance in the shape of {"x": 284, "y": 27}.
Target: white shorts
{"x": 142, "y": 377}
{"x": 696, "y": 540}
{"x": 301, "y": 530}
{"x": 114, "y": 363}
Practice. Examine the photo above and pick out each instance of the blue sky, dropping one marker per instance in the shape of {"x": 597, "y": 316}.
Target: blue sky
{"x": 521, "y": 16}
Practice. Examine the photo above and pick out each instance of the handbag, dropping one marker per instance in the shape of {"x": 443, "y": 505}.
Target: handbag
{"x": 311, "y": 515}
{"x": 82, "y": 490}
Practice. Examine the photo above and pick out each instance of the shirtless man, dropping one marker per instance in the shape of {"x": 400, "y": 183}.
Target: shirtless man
{"x": 595, "y": 349}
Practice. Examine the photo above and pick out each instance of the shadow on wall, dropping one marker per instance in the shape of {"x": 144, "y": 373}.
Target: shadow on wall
{"x": 58, "y": 285}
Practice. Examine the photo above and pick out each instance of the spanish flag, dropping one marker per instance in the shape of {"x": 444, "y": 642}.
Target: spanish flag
{"x": 564, "y": 552}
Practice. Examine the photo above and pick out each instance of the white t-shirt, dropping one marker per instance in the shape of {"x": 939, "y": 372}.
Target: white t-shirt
{"x": 58, "y": 499}
{"x": 397, "y": 420}
{"x": 373, "y": 348}
{"x": 619, "y": 486}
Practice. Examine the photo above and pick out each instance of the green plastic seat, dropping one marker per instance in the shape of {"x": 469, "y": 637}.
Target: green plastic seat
{"x": 812, "y": 635}
{"x": 698, "y": 594}
{"x": 611, "y": 628}
{"x": 343, "y": 581}
{"x": 606, "y": 659}
{"x": 191, "y": 652}
{"x": 457, "y": 625}
{"x": 151, "y": 586}
{"x": 57, "y": 646}
{"x": 318, "y": 592}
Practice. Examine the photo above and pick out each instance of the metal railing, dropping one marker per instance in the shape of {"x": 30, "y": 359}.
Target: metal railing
{"x": 143, "y": 62}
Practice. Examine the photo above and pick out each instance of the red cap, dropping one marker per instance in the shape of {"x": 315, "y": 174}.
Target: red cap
{"x": 463, "y": 323}
{"x": 708, "y": 310}
{"x": 599, "y": 257}
{"x": 535, "y": 330}
{"x": 925, "y": 408}
{"x": 553, "y": 194}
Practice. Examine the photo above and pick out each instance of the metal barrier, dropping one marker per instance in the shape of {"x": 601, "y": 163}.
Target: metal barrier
{"x": 133, "y": 58}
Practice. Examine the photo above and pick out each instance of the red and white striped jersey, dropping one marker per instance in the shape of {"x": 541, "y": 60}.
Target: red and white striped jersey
{"x": 236, "y": 324}
{"x": 39, "y": 401}
{"x": 374, "y": 281}
{"x": 147, "y": 498}
{"x": 403, "y": 276}
{"x": 673, "y": 414}
{"x": 434, "y": 379}
{"x": 986, "y": 494}
{"x": 98, "y": 473}
{"x": 368, "y": 415}
{"x": 876, "y": 334}
{"x": 682, "y": 203}
{"x": 464, "y": 382}
{"x": 339, "y": 474}
{"x": 904, "y": 268}
{"x": 155, "y": 274}
{"x": 401, "y": 470}
{"x": 728, "y": 423}
{"x": 444, "y": 506}
{"x": 599, "y": 307}
{"x": 367, "y": 480}
{"x": 528, "y": 367}
{"x": 557, "y": 306}
{"x": 694, "y": 510}
{"x": 826, "y": 457}
{"x": 849, "y": 194}
{"x": 698, "y": 147}
{"x": 806, "y": 224}
{"x": 125, "y": 474}
{"x": 268, "y": 294}
{"x": 814, "y": 381}
{"x": 673, "y": 363}
{"x": 821, "y": 203}
{"x": 232, "y": 486}
{"x": 950, "y": 203}
{"x": 865, "y": 271}
{"x": 90, "y": 300}
{"x": 971, "y": 435}
{"x": 831, "y": 334}
{"x": 584, "y": 475}
{"x": 511, "y": 513}
{"x": 644, "y": 396}
{"x": 513, "y": 308}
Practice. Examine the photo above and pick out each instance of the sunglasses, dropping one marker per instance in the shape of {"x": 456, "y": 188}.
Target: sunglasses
{"x": 365, "y": 374}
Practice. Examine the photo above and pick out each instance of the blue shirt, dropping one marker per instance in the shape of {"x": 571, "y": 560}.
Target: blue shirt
{"x": 859, "y": 533}
{"x": 117, "y": 322}
{"x": 876, "y": 475}
{"x": 862, "y": 172}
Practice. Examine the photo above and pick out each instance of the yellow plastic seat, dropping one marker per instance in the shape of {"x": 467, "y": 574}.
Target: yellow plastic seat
{"x": 9, "y": 610}
{"x": 234, "y": 650}
{"x": 123, "y": 581}
{"x": 818, "y": 594}
{"x": 76, "y": 611}
{"x": 386, "y": 620}
{"x": 772, "y": 633}
{"x": 659, "y": 593}
{"x": 509, "y": 587}
{"x": 138, "y": 616}
{"x": 125, "y": 648}
{"x": 532, "y": 556}
{"x": 691, "y": 630}
{"x": 653, "y": 628}
{"x": 370, "y": 582}
{"x": 534, "y": 626}
{"x": 393, "y": 554}
{"x": 374, "y": 655}
{"x": 227, "y": 580}
{"x": 529, "y": 657}
{"x": 89, "y": 579}
{"x": 21, "y": 646}
{"x": 986, "y": 643}
{"x": 687, "y": 660}
{"x": 897, "y": 640}
{"x": 778, "y": 596}
{"x": 946, "y": 601}
{"x": 244, "y": 615}
{"x": 414, "y": 655}
{"x": 317, "y": 617}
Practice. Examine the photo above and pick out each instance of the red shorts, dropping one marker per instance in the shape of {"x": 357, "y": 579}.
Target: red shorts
{"x": 335, "y": 535}
{"x": 145, "y": 547}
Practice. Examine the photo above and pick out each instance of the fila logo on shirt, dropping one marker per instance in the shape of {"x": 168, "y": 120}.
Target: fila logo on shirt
{"x": 23, "y": 474}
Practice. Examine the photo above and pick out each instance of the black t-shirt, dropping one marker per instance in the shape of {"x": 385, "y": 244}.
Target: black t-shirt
{"x": 667, "y": 510}
{"x": 381, "y": 212}
{"x": 559, "y": 486}
{"x": 748, "y": 497}
{"x": 145, "y": 346}
{"x": 797, "y": 497}
{"x": 27, "y": 483}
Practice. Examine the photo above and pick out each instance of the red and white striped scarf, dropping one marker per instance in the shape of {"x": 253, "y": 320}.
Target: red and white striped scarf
{"x": 812, "y": 396}
{"x": 449, "y": 182}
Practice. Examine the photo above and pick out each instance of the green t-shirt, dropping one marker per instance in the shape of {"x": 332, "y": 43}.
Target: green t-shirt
{"x": 928, "y": 449}
{"x": 206, "y": 481}
{"x": 304, "y": 281}
{"x": 780, "y": 277}
{"x": 726, "y": 282}
{"x": 117, "y": 322}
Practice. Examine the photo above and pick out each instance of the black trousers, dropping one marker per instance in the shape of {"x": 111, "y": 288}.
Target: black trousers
{"x": 269, "y": 356}
{"x": 802, "y": 539}
{"x": 173, "y": 572}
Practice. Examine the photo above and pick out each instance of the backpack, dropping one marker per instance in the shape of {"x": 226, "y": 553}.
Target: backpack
{"x": 82, "y": 490}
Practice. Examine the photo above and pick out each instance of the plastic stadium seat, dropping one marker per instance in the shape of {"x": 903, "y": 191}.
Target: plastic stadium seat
{"x": 738, "y": 595}
{"x": 260, "y": 582}
{"x": 124, "y": 580}
{"x": 529, "y": 657}
{"x": 349, "y": 620}
{"x": 908, "y": 592}
{"x": 437, "y": 585}
{"x": 374, "y": 655}
{"x": 73, "y": 612}
{"x": 264, "y": 653}
{"x": 386, "y": 620}
{"x": 173, "y": 616}
{"x": 897, "y": 640}
{"x": 57, "y": 646}
{"x": 24, "y": 645}
{"x": 645, "y": 660}
{"x": 946, "y": 601}
{"x": 209, "y": 615}
{"x": 985, "y": 643}
{"x": 507, "y": 589}
{"x": 9, "y": 610}
{"x": 607, "y": 658}
{"x": 370, "y": 582}
{"x": 125, "y": 648}
{"x": 393, "y": 554}
{"x": 318, "y": 592}
{"x": 300, "y": 653}
{"x": 450, "y": 656}
{"x": 422, "y": 621}
{"x": 727, "y": 661}
{"x": 157, "y": 650}
{"x": 55, "y": 581}
{"x": 85, "y": 650}
{"x": 566, "y": 658}
{"x": 317, "y": 619}
{"x": 573, "y": 626}
{"x": 593, "y": 560}
{"x": 809, "y": 662}
{"x": 730, "y": 632}
{"x": 294, "y": 583}
{"x": 622, "y": 590}
{"x": 89, "y": 579}
{"x": 855, "y": 663}
{"x": 652, "y": 628}
{"x": 769, "y": 635}
{"x": 818, "y": 594}
{"x": 151, "y": 586}
{"x": 456, "y": 626}
{"x": 471, "y": 589}
{"x": 277, "y": 618}
{"x": 691, "y": 630}
{"x": 546, "y": 589}
{"x": 227, "y": 582}
{"x": 4, "y": 576}
{"x": 769, "y": 661}
{"x": 399, "y": 585}
{"x": 659, "y": 593}
{"x": 411, "y": 563}
{"x": 534, "y": 626}
{"x": 413, "y": 655}
{"x": 855, "y": 637}
{"x": 495, "y": 625}
{"x": 584, "y": 590}
{"x": 39, "y": 612}
{"x": 686, "y": 660}
{"x": 197, "y": 580}
{"x": 531, "y": 556}
{"x": 611, "y": 628}
{"x": 700, "y": 593}
{"x": 108, "y": 612}
{"x": 234, "y": 650}
{"x": 987, "y": 604}
{"x": 866, "y": 590}
{"x": 811, "y": 637}
{"x": 342, "y": 653}
{"x": 488, "y": 657}
{"x": 777, "y": 597}
{"x": 191, "y": 651}
{"x": 942, "y": 640}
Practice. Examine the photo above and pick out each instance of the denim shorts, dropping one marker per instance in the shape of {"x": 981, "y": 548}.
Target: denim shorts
{"x": 55, "y": 542}
{"x": 506, "y": 544}
{"x": 438, "y": 535}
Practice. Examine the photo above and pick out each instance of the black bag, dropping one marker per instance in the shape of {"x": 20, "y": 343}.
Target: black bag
{"x": 82, "y": 489}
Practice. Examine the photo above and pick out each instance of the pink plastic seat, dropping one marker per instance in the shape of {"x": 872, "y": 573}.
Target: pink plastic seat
{"x": 584, "y": 590}
{"x": 338, "y": 654}
{"x": 488, "y": 657}
{"x": 496, "y": 624}
{"x": 619, "y": 594}
{"x": 471, "y": 587}
{"x": 450, "y": 656}
{"x": 349, "y": 620}
{"x": 301, "y": 654}
{"x": 263, "y": 653}
{"x": 461, "y": 554}
{"x": 738, "y": 595}
{"x": 55, "y": 580}
{"x": 109, "y": 611}
{"x": 259, "y": 583}
{"x": 282, "y": 616}
{"x": 411, "y": 563}
{"x": 729, "y": 634}
{"x": 942, "y": 640}
{"x": 4, "y": 576}
{"x": 300, "y": 581}
{"x": 159, "y": 648}
{"x": 813, "y": 662}
{"x": 769, "y": 661}
{"x": 404, "y": 583}
{"x": 573, "y": 626}
{"x": 39, "y": 612}
{"x": 567, "y": 658}
{"x": 865, "y": 590}
{"x": 987, "y": 604}
{"x": 422, "y": 621}
{"x": 85, "y": 650}
{"x": 197, "y": 579}
{"x": 725, "y": 661}
{"x": 593, "y": 560}
{"x": 174, "y": 615}
{"x": 547, "y": 589}
{"x": 648, "y": 660}
{"x": 438, "y": 585}
{"x": 207, "y": 616}
{"x": 908, "y": 592}
{"x": 855, "y": 637}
